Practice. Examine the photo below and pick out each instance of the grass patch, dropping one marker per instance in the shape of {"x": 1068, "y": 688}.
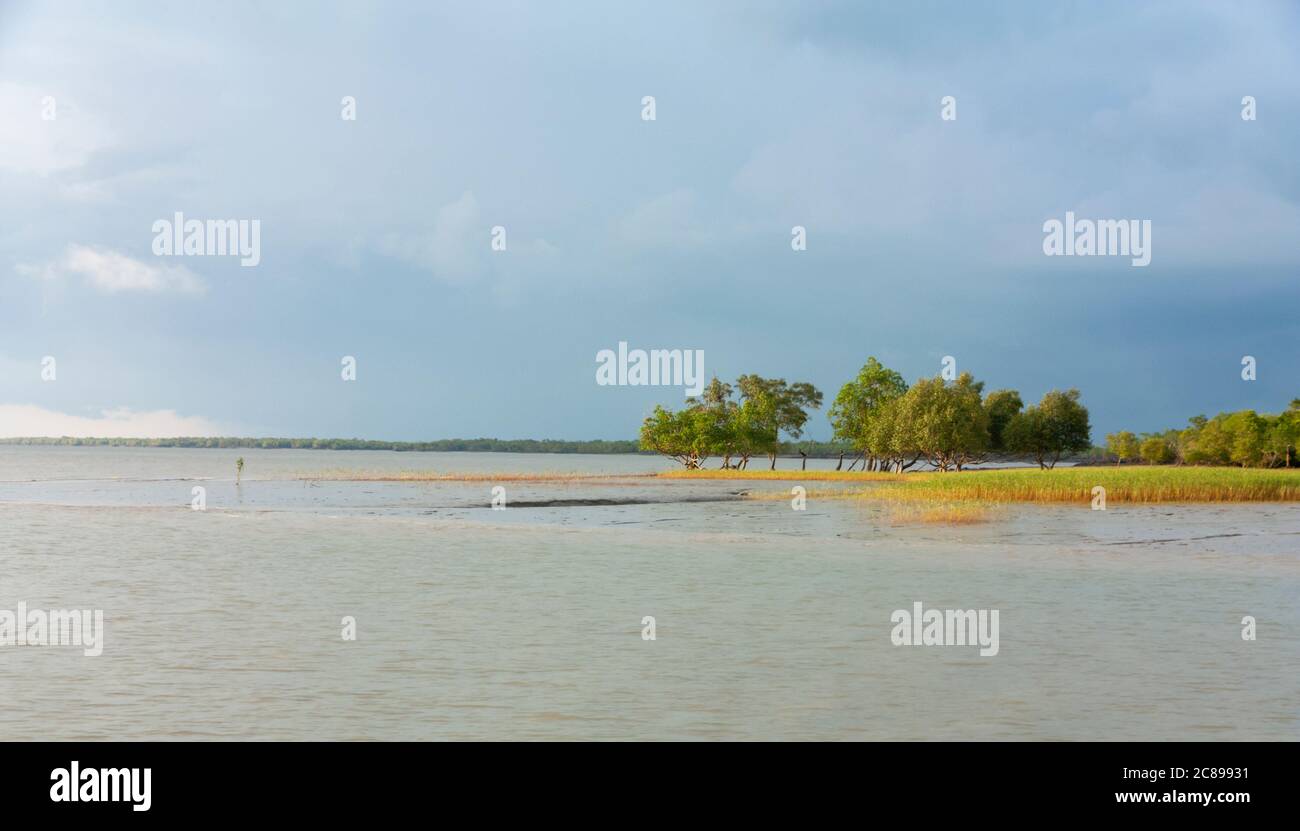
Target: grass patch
{"x": 1123, "y": 485}
{"x": 951, "y": 513}
{"x": 1134, "y": 484}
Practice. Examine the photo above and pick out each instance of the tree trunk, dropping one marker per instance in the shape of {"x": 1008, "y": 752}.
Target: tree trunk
{"x": 841, "y": 463}
{"x": 804, "y": 466}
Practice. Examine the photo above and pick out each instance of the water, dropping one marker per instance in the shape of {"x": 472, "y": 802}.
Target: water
{"x": 526, "y": 623}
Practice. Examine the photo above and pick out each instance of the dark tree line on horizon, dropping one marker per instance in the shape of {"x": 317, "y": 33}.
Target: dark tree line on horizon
{"x": 598, "y": 446}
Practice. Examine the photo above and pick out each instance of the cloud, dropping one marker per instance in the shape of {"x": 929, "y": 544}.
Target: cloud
{"x": 110, "y": 272}
{"x": 457, "y": 249}
{"x": 667, "y": 220}
{"x": 30, "y": 421}
{"x": 115, "y": 186}
{"x": 42, "y": 132}
{"x": 453, "y": 249}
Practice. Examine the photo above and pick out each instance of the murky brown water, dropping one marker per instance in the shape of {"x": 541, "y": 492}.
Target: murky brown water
{"x": 526, "y": 623}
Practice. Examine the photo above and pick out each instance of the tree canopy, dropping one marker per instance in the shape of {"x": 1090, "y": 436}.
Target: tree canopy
{"x": 949, "y": 423}
{"x": 1055, "y": 426}
{"x": 860, "y": 407}
{"x": 715, "y": 424}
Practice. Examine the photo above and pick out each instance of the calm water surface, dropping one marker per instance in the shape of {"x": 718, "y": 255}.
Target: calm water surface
{"x": 526, "y": 623}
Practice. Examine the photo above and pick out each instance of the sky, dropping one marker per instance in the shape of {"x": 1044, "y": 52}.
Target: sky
{"x": 924, "y": 234}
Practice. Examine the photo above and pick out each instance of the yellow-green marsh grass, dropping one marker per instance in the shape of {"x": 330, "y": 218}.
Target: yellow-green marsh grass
{"x": 1127, "y": 484}
{"x": 950, "y": 513}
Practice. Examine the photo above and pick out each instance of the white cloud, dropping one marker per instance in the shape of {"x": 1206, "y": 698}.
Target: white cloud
{"x": 454, "y": 249}
{"x": 667, "y": 220}
{"x": 110, "y": 272}
{"x": 457, "y": 249}
{"x": 33, "y": 144}
{"x": 116, "y": 186}
{"x": 30, "y": 421}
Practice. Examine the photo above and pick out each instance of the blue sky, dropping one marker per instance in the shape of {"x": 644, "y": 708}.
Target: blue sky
{"x": 924, "y": 235}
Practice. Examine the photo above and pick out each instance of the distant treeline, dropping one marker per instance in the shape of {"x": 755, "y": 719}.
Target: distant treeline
{"x": 442, "y": 445}
{"x": 814, "y": 449}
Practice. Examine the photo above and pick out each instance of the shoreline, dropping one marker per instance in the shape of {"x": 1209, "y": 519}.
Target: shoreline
{"x": 1094, "y": 486}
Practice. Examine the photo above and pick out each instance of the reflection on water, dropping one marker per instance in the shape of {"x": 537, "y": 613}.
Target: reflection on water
{"x": 526, "y": 623}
